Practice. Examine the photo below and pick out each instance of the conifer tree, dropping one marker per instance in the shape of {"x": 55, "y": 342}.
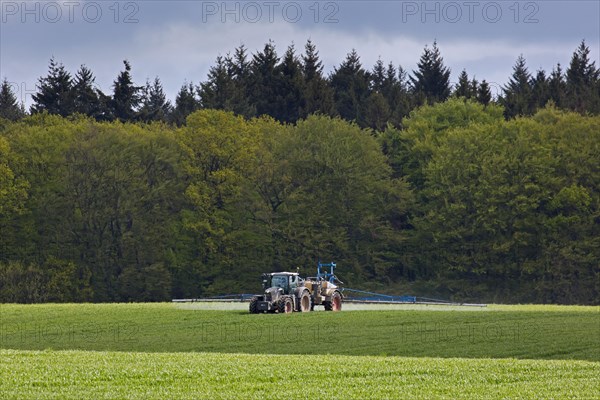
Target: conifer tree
{"x": 265, "y": 80}
{"x": 473, "y": 86}
{"x": 55, "y": 91}
{"x": 557, "y": 86}
{"x": 484, "y": 95}
{"x": 218, "y": 90}
{"x": 463, "y": 87}
{"x": 9, "y": 107}
{"x": 155, "y": 106}
{"x": 399, "y": 97}
{"x": 582, "y": 82}
{"x": 318, "y": 96}
{"x": 350, "y": 83}
{"x": 517, "y": 98}
{"x": 291, "y": 88}
{"x": 540, "y": 90}
{"x": 126, "y": 96}
{"x": 431, "y": 81}
{"x": 241, "y": 72}
{"x": 87, "y": 98}
{"x": 378, "y": 77}
{"x": 186, "y": 103}
{"x": 377, "y": 111}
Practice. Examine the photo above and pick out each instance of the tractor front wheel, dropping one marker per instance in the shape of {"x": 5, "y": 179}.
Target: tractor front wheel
{"x": 254, "y": 306}
{"x": 285, "y": 305}
{"x": 305, "y": 303}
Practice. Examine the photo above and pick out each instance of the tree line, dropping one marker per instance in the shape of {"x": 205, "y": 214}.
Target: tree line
{"x": 458, "y": 203}
{"x": 291, "y": 87}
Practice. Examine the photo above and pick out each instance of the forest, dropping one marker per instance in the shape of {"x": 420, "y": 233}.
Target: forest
{"x": 411, "y": 184}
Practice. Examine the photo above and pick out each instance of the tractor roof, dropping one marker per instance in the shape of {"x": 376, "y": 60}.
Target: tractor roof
{"x": 284, "y": 273}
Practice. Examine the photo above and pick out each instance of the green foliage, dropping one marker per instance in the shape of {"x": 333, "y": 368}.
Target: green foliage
{"x": 54, "y": 281}
{"x": 507, "y": 204}
{"x": 410, "y": 149}
{"x": 459, "y": 202}
{"x": 13, "y": 189}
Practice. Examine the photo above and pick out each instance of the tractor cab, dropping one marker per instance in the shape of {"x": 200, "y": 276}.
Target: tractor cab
{"x": 288, "y": 281}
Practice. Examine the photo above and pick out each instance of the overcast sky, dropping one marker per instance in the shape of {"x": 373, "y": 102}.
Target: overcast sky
{"x": 179, "y": 40}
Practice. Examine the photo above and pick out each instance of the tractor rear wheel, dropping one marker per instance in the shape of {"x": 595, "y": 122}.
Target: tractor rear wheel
{"x": 335, "y": 304}
{"x": 305, "y": 303}
{"x": 285, "y": 305}
{"x": 254, "y": 306}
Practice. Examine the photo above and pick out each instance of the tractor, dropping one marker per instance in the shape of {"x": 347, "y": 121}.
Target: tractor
{"x": 286, "y": 292}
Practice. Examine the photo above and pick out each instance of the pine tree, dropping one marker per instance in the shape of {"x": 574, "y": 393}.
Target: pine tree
{"x": 431, "y": 82}
{"x": 463, "y": 87}
{"x": 540, "y": 90}
{"x": 557, "y": 86}
{"x": 186, "y": 103}
{"x": 265, "y": 80}
{"x": 484, "y": 95}
{"x": 582, "y": 82}
{"x": 393, "y": 81}
{"x": 242, "y": 73}
{"x": 318, "y": 96}
{"x": 312, "y": 66}
{"x": 399, "y": 96}
{"x": 87, "y": 99}
{"x": 55, "y": 94}
{"x": 473, "y": 87}
{"x": 378, "y": 77}
{"x": 377, "y": 111}
{"x": 9, "y": 107}
{"x": 218, "y": 91}
{"x": 155, "y": 106}
{"x": 517, "y": 99}
{"x": 126, "y": 96}
{"x": 350, "y": 83}
{"x": 291, "y": 88}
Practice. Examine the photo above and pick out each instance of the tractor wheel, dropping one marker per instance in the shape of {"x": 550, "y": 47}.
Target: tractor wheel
{"x": 285, "y": 305}
{"x": 254, "y": 306}
{"x": 335, "y": 304}
{"x": 305, "y": 302}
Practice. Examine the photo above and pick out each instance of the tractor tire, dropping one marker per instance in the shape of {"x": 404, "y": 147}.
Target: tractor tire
{"x": 254, "y": 306}
{"x": 285, "y": 305}
{"x": 335, "y": 304}
{"x": 305, "y": 302}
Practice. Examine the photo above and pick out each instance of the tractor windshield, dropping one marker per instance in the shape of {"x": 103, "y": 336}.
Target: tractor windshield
{"x": 279, "y": 281}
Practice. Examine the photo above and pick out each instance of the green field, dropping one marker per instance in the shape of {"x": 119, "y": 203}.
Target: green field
{"x": 221, "y": 351}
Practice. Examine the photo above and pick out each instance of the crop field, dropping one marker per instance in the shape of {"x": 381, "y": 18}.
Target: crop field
{"x": 213, "y": 351}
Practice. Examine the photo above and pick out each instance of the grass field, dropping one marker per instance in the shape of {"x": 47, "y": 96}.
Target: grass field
{"x": 221, "y": 351}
